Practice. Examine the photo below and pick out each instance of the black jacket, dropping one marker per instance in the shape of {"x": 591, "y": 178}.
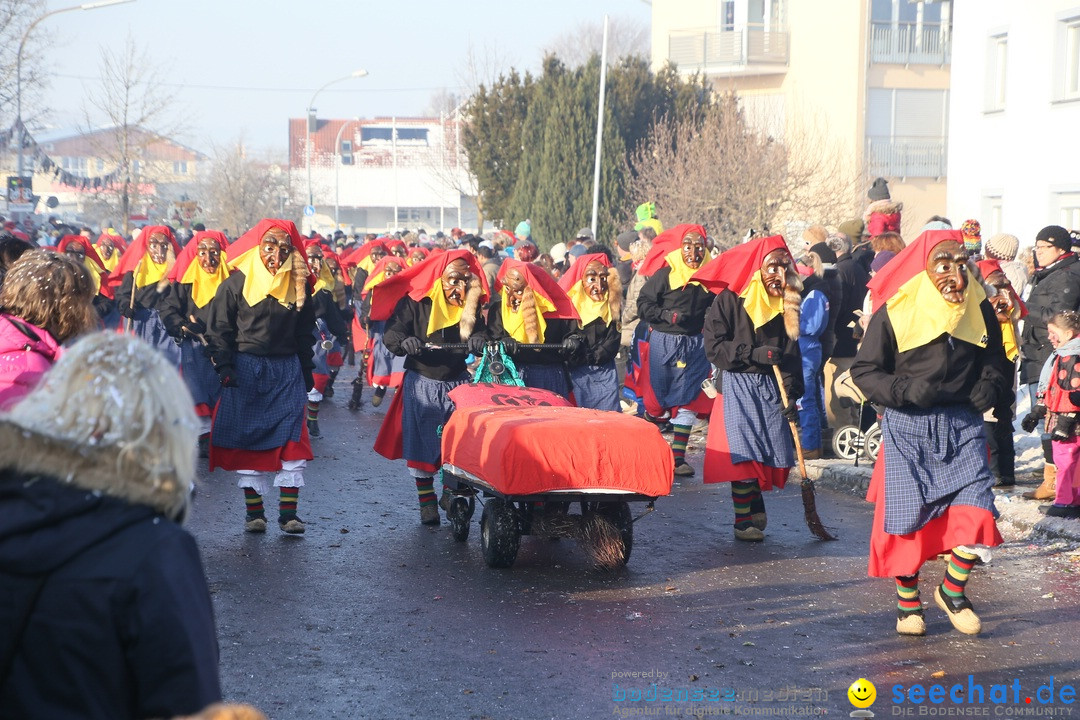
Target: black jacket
{"x": 123, "y": 626}
{"x": 178, "y": 307}
{"x": 410, "y": 319}
{"x": 328, "y": 310}
{"x": 601, "y": 343}
{"x": 146, "y": 297}
{"x": 853, "y": 278}
{"x": 951, "y": 366}
{"x": 1053, "y": 289}
{"x": 730, "y": 337}
{"x": 267, "y": 328}
{"x": 676, "y": 312}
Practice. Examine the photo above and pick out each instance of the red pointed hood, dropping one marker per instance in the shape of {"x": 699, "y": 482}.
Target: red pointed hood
{"x": 91, "y": 251}
{"x": 187, "y": 255}
{"x": 541, "y": 283}
{"x": 129, "y": 261}
{"x": 353, "y": 258}
{"x": 572, "y": 276}
{"x": 988, "y": 267}
{"x": 735, "y": 268}
{"x": 664, "y": 243}
{"x": 417, "y": 281}
{"x": 908, "y": 263}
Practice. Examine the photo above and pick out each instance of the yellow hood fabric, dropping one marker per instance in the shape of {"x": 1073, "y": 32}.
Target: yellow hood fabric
{"x": 259, "y": 284}
{"x": 443, "y": 315}
{"x": 149, "y": 272}
{"x": 325, "y": 280}
{"x": 203, "y": 284}
{"x": 514, "y": 322}
{"x": 680, "y": 271}
{"x": 1008, "y": 334}
{"x": 919, "y": 314}
{"x": 760, "y": 305}
{"x": 588, "y": 308}
{"x": 112, "y": 262}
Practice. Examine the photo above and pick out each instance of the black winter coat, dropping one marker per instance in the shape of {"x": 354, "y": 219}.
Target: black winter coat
{"x": 556, "y": 331}
{"x": 853, "y": 278}
{"x": 410, "y": 319}
{"x": 146, "y": 297}
{"x": 1053, "y": 289}
{"x": 676, "y": 312}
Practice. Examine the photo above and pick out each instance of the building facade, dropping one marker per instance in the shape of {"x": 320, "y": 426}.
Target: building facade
{"x": 1014, "y": 161}
{"x": 866, "y": 80}
{"x": 381, "y": 174}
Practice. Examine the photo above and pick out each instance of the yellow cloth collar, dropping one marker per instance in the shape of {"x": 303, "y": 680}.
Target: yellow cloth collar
{"x": 204, "y": 285}
{"x": 514, "y": 322}
{"x": 443, "y": 315}
{"x": 1008, "y": 336}
{"x": 325, "y": 281}
{"x": 588, "y": 308}
{"x": 259, "y": 284}
{"x": 760, "y": 305}
{"x": 680, "y": 271}
{"x": 95, "y": 271}
{"x": 112, "y": 262}
{"x": 149, "y": 272}
{"x": 920, "y": 315}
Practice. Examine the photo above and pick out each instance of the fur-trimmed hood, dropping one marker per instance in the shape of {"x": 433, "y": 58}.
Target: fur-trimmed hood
{"x": 884, "y": 207}
{"x": 101, "y": 470}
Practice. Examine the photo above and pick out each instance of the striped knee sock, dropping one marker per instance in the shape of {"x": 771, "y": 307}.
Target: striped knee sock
{"x": 425, "y": 488}
{"x": 956, "y": 574}
{"x": 907, "y": 594}
{"x": 678, "y": 442}
{"x": 313, "y": 409}
{"x": 254, "y": 504}
{"x": 742, "y": 495}
{"x": 287, "y": 502}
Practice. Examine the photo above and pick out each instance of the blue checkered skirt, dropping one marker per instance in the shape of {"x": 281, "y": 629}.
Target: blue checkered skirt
{"x": 677, "y": 366}
{"x": 426, "y": 406}
{"x": 147, "y": 325}
{"x": 934, "y": 458}
{"x": 755, "y": 428}
{"x": 199, "y": 375}
{"x": 383, "y": 362}
{"x": 546, "y": 377}
{"x": 267, "y": 409}
{"x": 596, "y": 386}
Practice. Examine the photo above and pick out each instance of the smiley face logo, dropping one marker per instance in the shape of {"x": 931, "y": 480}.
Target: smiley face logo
{"x": 862, "y": 693}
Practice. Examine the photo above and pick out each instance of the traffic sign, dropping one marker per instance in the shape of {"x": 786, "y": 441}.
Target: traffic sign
{"x": 309, "y": 211}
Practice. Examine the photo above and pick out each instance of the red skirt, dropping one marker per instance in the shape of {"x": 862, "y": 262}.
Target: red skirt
{"x": 903, "y": 555}
{"x": 719, "y": 466}
{"x": 261, "y": 460}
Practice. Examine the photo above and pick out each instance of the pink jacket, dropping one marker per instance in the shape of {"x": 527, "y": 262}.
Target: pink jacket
{"x": 26, "y": 352}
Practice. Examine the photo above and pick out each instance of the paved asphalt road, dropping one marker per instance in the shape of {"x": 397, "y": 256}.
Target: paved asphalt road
{"x": 371, "y": 615}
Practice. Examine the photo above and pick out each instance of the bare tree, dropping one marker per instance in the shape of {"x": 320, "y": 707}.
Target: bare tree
{"x": 731, "y": 177}
{"x": 442, "y": 102}
{"x": 482, "y": 66}
{"x": 137, "y": 114}
{"x": 15, "y": 17}
{"x": 626, "y": 36}
{"x": 241, "y": 190}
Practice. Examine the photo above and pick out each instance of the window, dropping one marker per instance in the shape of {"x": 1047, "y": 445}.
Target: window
{"x": 385, "y": 135}
{"x": 77, "y": 166}
{"x": 346, "y": 152}
{"x": 1068, "y": 209}
{"x": 1067, "y": 57}
{"x": 376, "y": 134}
{"x": 996, "y": 67}
{"x": 179, "y": 167}
{"x": 991, "y": 214}
{"x": 727, "y": 15}
{"x": 906, "y": 132}
{"x": 100, "y": 166}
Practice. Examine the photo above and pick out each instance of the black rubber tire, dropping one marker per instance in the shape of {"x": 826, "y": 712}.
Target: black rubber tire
{"x": 500, "y": 533}
{"x": 846, "y": 442}
{"x": 460, "y": 516}
{"x": 873, "y": 443}
{"x": 618, "y": 513}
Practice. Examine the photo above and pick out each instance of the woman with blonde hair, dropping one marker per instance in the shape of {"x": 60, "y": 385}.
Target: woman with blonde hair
{"x": 106, "y": 609}
{"x": 46, "y": 300}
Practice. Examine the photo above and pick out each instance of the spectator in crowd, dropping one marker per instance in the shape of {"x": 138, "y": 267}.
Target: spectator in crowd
{"x": 853, "y": 278}
{"x": 1003, "y": 248}
{"x": 11, "y": 249}
{"x": 107, "y": 610}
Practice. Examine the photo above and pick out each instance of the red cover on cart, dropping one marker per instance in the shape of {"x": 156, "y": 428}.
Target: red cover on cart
{"x": 531, "y": 450}
{"x": 495, "y": 395}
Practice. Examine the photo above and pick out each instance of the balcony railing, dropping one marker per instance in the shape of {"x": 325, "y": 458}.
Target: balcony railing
{"x": 906, "y": 157}
{"x": 910, "y": 44}
{"x": 704, "y": 50}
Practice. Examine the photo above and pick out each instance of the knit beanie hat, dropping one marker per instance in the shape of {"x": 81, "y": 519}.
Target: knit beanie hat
{"x": 879, "y": 190}
{"x": 1002, "y": 247}
{"x": 852, "y": 228}
{"x": 824, "y": 252}
{"x": 624, "y": 239}
{"x": 523, "y": 230}
{"x": 1057, "y": 236}
{"x": 881, "y": 259}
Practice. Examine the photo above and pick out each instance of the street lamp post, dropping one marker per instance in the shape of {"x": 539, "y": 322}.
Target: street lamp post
{"x": 18, "y": 63}
{"x": 310, "y": 111}
{"x": 337, "y": 169}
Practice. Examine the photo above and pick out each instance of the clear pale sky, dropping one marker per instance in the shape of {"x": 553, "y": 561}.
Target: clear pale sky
{"x": 243, "y": 67}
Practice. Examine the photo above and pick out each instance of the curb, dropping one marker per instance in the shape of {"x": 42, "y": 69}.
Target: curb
{"x": 1023, "y": 515}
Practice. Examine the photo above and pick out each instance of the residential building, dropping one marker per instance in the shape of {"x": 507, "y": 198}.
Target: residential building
{"x": 1014, "y": 161}
{"x": 381, "y": 174}
{"x": 864, "y": 80}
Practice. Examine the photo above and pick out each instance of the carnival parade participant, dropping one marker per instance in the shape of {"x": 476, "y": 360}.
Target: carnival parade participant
{"x": 260, "y": 333}
{"x": 357, "y": 265}
{"x": 141, "y": 284}
{"x": 1059, "y": 404}
{"x": 674, "y": 307}
{"x": 330, "y": 332}
{"x": 80, "y": 249}
{"x": 199, "y": 270}
{"x": 341, "y": 291}
{"x": 934, "y": 357}
{"x": 434, "y": 302}
{"x": 751, "y": 328}
{"x": 594, "y": 287}
{"x": 109, "y": 246}
{"x": 532, "y": 308}
{"x": 384, "y": 368}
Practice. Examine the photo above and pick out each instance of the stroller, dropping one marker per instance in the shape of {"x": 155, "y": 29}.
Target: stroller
{"x": 851, "y": 442}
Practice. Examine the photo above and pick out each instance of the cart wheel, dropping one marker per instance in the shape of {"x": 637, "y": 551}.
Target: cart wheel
{"x": 873, "y": 442}
{"x": 460, "y": 515}
{"x": 846, "y": 442}
{"x": 500, "y": 534}
{"x": 618, "y": 513}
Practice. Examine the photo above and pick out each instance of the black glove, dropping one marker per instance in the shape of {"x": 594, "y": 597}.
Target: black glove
{"x": 1033, "y": 418}
{"x": 227, "y": 375}
{"x": 920, "y": 393}
{"x": 194, "y": 329}
{"x": 766, "y": 355}
{"x": 309, "y": 379}
{"x": 127, "y": 311}
{"x": 984, "y": 395}
{"x": 791, "y": 412}
{"x": 475, "y": 344}
{"x": 412, "y": 346}
{"x": 510, "y": 346}
{"x": 1064, "y": 427}
{"x": 570, "y": 345}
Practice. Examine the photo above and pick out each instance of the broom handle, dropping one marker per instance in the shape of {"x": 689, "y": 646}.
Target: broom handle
{"x": 794, "y": 427}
